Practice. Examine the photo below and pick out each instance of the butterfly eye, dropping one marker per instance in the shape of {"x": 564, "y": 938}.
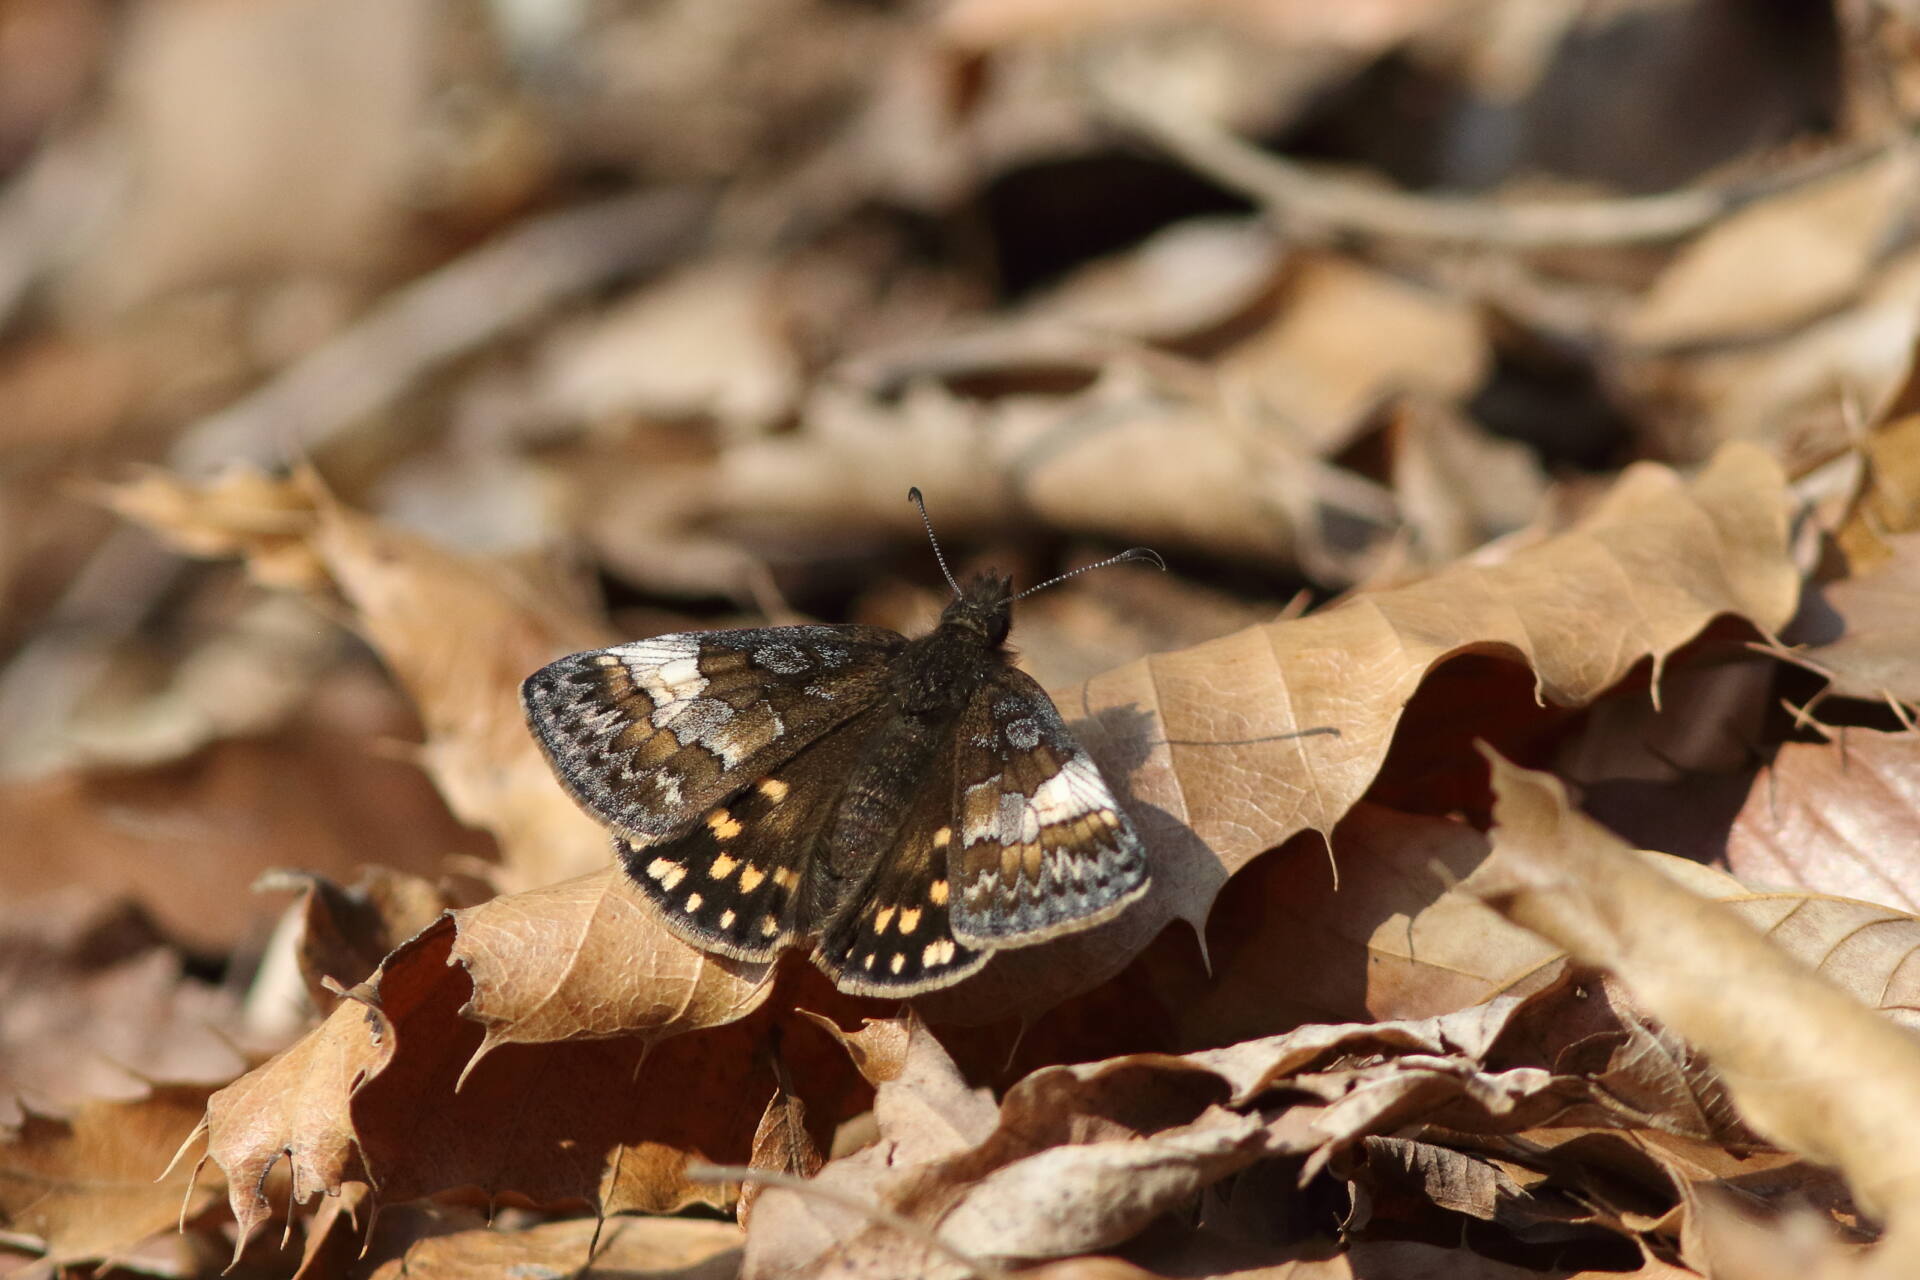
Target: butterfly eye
{"x": 998, "y": 625}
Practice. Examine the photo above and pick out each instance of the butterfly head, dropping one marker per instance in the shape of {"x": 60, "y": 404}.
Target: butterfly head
{"x": 984, "y": 606}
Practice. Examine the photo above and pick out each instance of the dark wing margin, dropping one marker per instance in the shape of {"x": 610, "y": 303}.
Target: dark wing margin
{"x": 897, "y": 940}
{"x": 1040, "y": 847}
{"x": 649, "y": 736}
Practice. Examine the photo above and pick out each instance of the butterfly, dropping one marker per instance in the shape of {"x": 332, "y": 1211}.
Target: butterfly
{"x": 906, "y": 806}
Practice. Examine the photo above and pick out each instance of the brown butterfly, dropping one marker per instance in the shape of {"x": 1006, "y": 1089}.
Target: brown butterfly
{"x": 909, "y": 806}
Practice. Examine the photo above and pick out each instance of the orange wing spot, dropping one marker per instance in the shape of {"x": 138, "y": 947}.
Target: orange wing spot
{"x": 773, "y": 789}
{"x": 769, "y": 925}
{"x": 898, "y": 962}
{"x": 722, "y": 867}
{"x": 943, "y": 837}
{"x": 786, "y": 877}
{"x": 750, "y": 879}
{"x": 882, "y": 918}
{"x": 909, "y": 920}
{"x": 726, "y": 919}
{"x": 937, "y": 893}
{"x": 868, "y": 962}
{"x": 723, "y": 824}
{"x": 668, "y": 872}
{"x": 693, "y": 901}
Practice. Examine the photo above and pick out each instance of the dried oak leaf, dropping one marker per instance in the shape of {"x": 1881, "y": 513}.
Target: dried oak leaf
{"x": 1835, "y": 817}
{"x": 424, "y": 1081}
{"x": 180, "y": 837}
{"x": 94, "y": 1185}
{"x": 1779, "y": 1033}
{"x": 343, "y": 932}
{"x": 675, "y": 1248}
{"x": 94, "y": 1006}
{"x": 1081, "y": 1157}
{"x": 1229, "y": 748}
{"x": 1867, "y": 622}
{"x": 1407, "y": 935}
{"x": 458, "y": 634}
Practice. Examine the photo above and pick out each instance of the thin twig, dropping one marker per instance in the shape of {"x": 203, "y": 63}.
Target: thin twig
{"x": 872, "y": 1212}
{"x": 1296, "y": 194}
{"x": 443, "y": 315}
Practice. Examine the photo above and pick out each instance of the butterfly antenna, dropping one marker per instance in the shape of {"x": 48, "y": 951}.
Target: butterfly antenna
{"x": 1131, "y": 553}
{"x": 913, "y": 496}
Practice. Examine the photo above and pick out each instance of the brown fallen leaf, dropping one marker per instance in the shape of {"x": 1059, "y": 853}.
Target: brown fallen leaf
{"x": 1346, "y": 338}
{"x": 408, "y": 1088}
{"x": 1835, "y": 817}
{"x": 458, "y": 634}
{"x": 1774, "y": 1030}
{"x": 1081, "y": 1157}
{"x": 94, "y": 1006}
{"x": 184, "y": 839}
{"x": 1863, "y": 628}
{"x": 93, "y": 1186}
{"x": 680, "y": 1248}
{"x": 588, "y": 958}
{"x": 1827, "y": 237}
{"x": 345, "y": 931}
{"x": 1213, "y": 779}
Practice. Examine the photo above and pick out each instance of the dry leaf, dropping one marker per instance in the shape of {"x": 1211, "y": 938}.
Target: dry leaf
{"x": 1315, "y": 701}
{"x": 589, "y": 959}
{"x": 1774, "y": 1030}
{"x": 93, "y": 1006}
{"x": 1346, "y": 339}
{"x": 1082, "y": 1156}
{"x": 92, "y": 1186}
{"x": 459, "y": 636}
{"x": 1818, "y": 242}
{"x": 1864, "y": 627}
{"x": 184, "y": 839}
{"x": 680, "y": 1248}
{"x": 1835, "y": 817}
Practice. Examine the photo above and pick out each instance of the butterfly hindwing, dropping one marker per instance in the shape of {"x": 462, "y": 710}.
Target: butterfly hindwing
{"x": 897, "y": 938}
{"x": 734, "y": 880}
{"x": 1039, "y": 846}
{"x": 649, "y": 736}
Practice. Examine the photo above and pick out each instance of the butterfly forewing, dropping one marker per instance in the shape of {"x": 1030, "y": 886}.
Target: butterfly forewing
{"x": 1039, "y": 845}
{"x": 649, "y": 736}
{"x": 897, "y": 939}
{"x": 734, "y": 881}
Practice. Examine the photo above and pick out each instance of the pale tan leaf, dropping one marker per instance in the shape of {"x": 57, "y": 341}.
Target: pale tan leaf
{"x": 1819, "y": 242}
{"x": 588, "y": 958}
{"x": 1775, "y": 1030}
{"x": 96, "y": 1184}
{"x": 679, "y": 1248}
{"x": 1835, "y": 817}
{"x": 458, "y": 634}
{"x": 1314, "y": 702}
